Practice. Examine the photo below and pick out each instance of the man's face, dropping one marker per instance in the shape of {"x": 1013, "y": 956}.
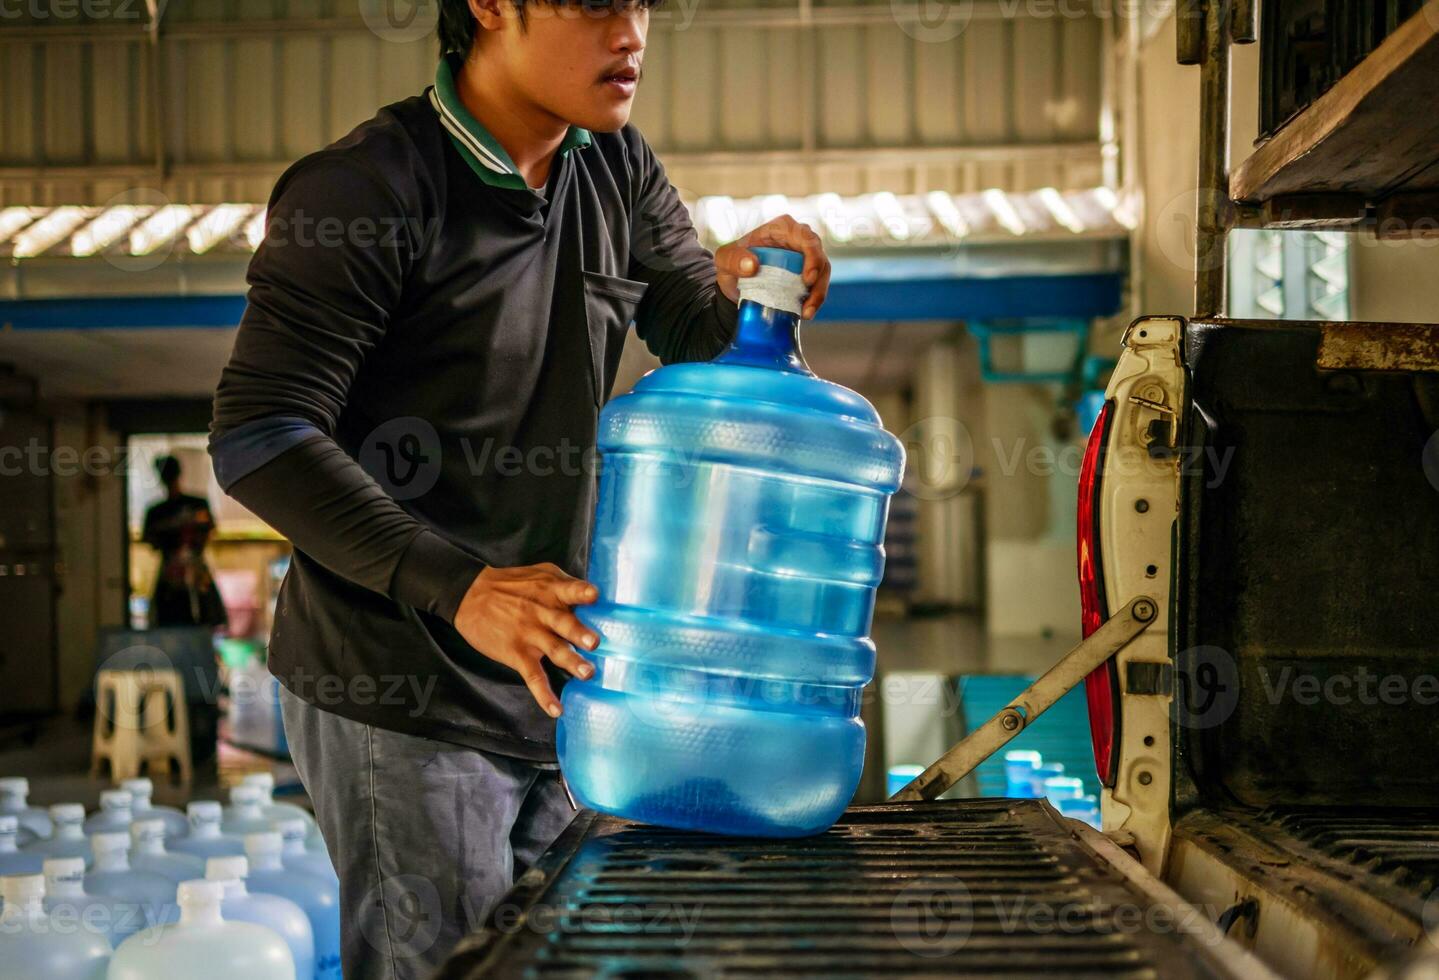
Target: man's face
{"x": 580, "y": 64}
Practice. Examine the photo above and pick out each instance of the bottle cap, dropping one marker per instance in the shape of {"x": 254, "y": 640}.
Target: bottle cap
{"x": 9, "y": 824}
{"x": 147, "y": 830}
{"x": 226, "y": 868}
{"x": 110, "y": 842}
{"x": 292, "y": 828}
{"x": 198, "y": 894}
{"x": 15, "y": 784}
{"x": 116, "y": 799}
{"x": 268, "y": 842}
{"x": 19, "y": 889}
{"x": 67, "y": 813}
{"x": 777, "y": 283}
{"x": 264, "y": 780}
{"x": 243, "y": 795}
{"x": 203, "y": 810}
{"x": 141, "y": 788}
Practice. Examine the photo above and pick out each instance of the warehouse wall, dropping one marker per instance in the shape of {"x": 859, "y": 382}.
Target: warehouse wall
{"x": 1390, "y": 280}
{"x": 848, "y": 97}
{"x": 91, "y": 538}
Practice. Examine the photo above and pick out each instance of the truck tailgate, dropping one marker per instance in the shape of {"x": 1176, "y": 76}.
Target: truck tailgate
{"x": 966, "y": 887}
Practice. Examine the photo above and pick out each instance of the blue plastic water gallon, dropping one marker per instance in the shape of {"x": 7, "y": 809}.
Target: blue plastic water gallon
{"x": 35, "y": 822}
{"x": 31, "y": 944}
{"x": 141, "y": 790}
{"x": 114, "y": 816}
{"x": 148, "y": 853}
{"x": 736, "y": 548}
{"x": 12, "y": 862}
{"x": 69, "y": 838}
{"x": 318, "y": 897}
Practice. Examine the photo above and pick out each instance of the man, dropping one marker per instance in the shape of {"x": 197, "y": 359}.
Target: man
{"x": 178, "y": 528}
{"x": 434, "y": 319}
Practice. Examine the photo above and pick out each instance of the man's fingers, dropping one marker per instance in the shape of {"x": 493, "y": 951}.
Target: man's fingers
{"x": 817, "y": 293}
{"x": 567, "y": 626}
{"x": 563, "y": 656}
{"x": 736, "y": 260}
{"x": 534, "y": 677}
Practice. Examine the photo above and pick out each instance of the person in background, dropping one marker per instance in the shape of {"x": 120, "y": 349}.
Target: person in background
{"x": 178, "y": 527}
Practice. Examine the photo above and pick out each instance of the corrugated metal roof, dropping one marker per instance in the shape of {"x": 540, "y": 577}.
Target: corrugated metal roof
{"x": 855, "y": 224}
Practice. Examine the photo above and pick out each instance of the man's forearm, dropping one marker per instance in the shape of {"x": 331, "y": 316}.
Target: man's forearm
{"x": 317, "y": 496}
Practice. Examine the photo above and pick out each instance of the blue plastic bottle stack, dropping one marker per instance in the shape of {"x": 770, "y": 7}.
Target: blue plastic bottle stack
{"x": 318, "y": 897}
{"x": 69, "y": 838}
{"x": 206, "y": 839}
{"x": 736, "y": 548}
{"x": 141, "y": 790}
{"x": 148, "y": 853}
{"x": 31, "y": 946}
{"x": 71, "y": 905}
{"x": 12, "y": 861}
{"x": 203, "y": 945}
{"x": 15, "y": 801}
{"x": 112, "y": 875}
{"x": 299, "y": 856}
{"x": 114, "y": 813}
{"x": 280, "y": 915}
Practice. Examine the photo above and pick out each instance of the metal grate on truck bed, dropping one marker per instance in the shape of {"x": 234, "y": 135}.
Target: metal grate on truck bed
{"x": 989, "y": 888}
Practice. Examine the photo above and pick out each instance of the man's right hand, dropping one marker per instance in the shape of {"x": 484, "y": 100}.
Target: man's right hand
{"x": 518, "y": 616}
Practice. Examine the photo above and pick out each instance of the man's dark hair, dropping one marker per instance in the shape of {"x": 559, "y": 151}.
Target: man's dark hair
{"x": 168, "y": 468}
{"x": 457, "y": 24}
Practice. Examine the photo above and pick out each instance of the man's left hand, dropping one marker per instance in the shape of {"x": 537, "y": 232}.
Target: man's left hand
{"x": 735, "y": 260}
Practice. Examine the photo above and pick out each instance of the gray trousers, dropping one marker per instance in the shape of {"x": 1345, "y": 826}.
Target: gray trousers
{"x": 426, "y": 836}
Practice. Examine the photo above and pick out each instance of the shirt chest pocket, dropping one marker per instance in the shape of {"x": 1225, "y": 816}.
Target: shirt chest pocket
{"x": 610, "y": 304}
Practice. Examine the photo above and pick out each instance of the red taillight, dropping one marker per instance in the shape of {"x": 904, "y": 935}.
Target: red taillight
{"x": 1101, "y": 687}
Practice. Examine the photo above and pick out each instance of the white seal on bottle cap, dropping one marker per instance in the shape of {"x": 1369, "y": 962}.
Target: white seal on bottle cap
{"x": 243, "y": 795}
{"x": 268, "y": 842}
{"x": 233, "y": 868}
{"x": 203, "y": 810}
{"x": 116, "y": 799}
{"x": 110, "y": 842}
{"x": 67, "y": 812}
{"x": 777, "y": 288}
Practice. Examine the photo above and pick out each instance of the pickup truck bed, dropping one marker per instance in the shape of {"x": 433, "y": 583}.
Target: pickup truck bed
{"x": 993, "y": 888}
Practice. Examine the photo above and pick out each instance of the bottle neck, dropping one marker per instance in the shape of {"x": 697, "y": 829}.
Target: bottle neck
{"x": 150, "y": 845}
{"x": 66, "y": 887}
{"x": 7, "y": 844}
{"x": 269, "y": 861}
{"x": 115, "y": 861}
{"x": 205, "y": 829}
{"x": 200, "y": 914}
{"x": 70, "y": 831}
{"x": 766, "y": 337}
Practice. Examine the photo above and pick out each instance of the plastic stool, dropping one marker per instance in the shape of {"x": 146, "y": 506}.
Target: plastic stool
{"x": 141, "y": 719}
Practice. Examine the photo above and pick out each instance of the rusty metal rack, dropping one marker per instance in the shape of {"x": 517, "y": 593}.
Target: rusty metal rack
{"x": 992, "y": 888}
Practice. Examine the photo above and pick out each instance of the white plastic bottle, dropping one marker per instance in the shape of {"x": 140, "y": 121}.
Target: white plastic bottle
{"x": 12, "y": 862}
{"x": 299, "y": 857}
{"x": 114, "y": 813}
{"x": 265, "y": 783}
{"x": 246, "y": 812}
{"x": 15, "y": 799}
{"x": 141, "y": 790}
{"x": 203, "y": 945}
{"x": 69, "y": 839}
{"x": 72, "y": 907}
{"x": 206, "y": 840}
{"x": 32, "y": 945}
{"x": 318, "y": 897}
{"x": 148, "y": 853}
{"x": 281, "y": 915}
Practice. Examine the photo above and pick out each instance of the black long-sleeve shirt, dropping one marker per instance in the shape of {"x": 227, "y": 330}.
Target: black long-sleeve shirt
{"x": 414, "y": 391}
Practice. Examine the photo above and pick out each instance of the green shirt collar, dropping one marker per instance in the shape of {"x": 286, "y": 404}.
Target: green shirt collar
{"x": 486, "y": 157}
